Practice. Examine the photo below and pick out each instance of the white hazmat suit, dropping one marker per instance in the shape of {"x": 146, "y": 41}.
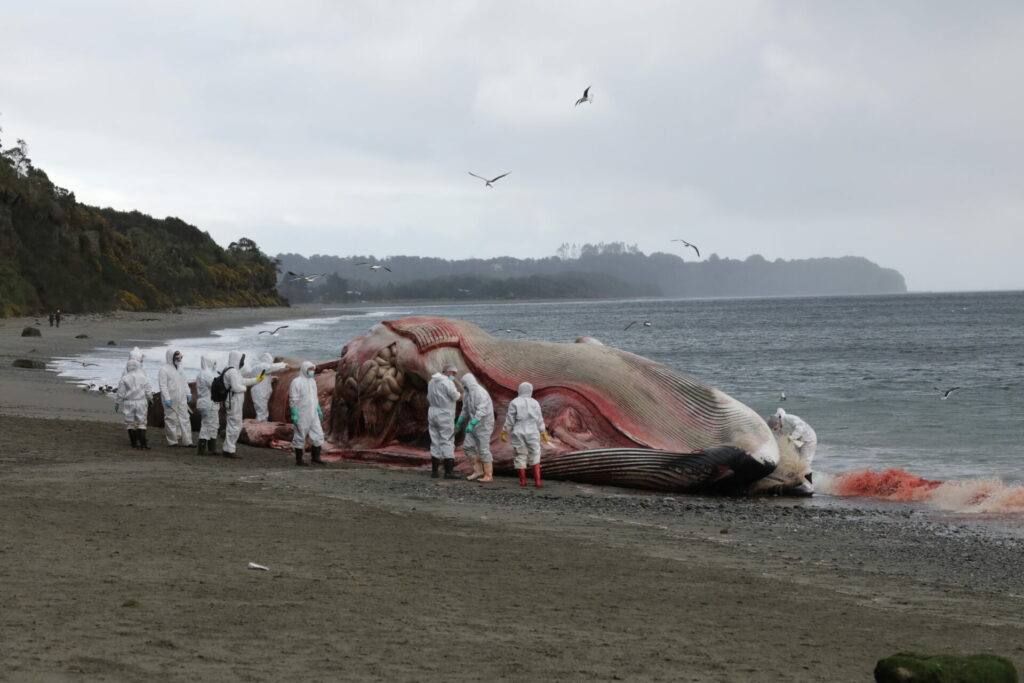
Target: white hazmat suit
{"x": 208, "y": 410}
{"x": 134, "y": 395}
{"x": 798, "y": 431}
{"x": 176, "y": 396}
{"x": 478, "y": 416}
{"x": 442, "y": 395}
{"x": 261, "y": 392}
{"x": 524, "y": 424}
{"x": 306, "y": 414}
{"x": 236, "y": 385}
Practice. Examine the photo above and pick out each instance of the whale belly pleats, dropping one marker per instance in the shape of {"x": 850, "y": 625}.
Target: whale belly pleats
{"x": 722, "y": 469}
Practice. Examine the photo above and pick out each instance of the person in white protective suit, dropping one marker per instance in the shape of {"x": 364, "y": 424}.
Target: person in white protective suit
{"x": 136, "y": 355}
{"x": 236, "y": 385}
{"x": 176, "y": 396}
{"x": 800, "y": 434}
{"x": 442, "y": 395}
{"x": 524, "y": 428}
{"x": 209, "y": 411}
{"x": 133, "y": 399}
{"x": 261, "y": 392}
{"x": 477, "y": 417}
{"x": 306, "y": 414}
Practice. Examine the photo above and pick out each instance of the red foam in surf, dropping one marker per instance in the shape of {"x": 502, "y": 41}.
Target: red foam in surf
{"x": 890, "y": 484}
{"x": 968, "y": 495}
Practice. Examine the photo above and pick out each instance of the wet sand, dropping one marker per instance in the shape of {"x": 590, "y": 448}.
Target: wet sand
{"x": 122, "y": 565}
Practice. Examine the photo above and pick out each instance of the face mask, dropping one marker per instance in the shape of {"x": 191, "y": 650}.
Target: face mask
{"x": 177, "y": 362}
{"x": 310, "y": 374}
{"x": 450, "y": 378}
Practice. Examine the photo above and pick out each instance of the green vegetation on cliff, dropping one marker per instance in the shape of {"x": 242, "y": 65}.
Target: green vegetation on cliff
{"x": 57, "y": 253}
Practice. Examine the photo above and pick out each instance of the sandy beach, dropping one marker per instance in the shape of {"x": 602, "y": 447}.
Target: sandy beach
{"x": 122, "y": 565}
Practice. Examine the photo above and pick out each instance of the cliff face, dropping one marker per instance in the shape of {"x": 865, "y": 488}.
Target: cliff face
{"x": 57, "y": 253}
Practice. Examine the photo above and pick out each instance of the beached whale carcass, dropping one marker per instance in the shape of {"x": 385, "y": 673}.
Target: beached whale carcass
{"x": 614, "y": 417}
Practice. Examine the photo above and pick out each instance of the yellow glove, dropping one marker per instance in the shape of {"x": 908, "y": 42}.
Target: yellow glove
{"x": 504, "y": 436}
{"x": 544, "y": 435}
{"x": 260, "y": 378}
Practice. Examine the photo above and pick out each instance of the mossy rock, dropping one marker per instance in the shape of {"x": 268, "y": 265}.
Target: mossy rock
{"x": 914, "y": 667}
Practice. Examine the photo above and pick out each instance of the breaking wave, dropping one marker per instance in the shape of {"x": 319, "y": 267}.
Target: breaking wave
{"x": 961, "y": 495}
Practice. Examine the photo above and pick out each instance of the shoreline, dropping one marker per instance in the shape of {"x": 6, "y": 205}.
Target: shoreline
{"x": 380, "y": 572}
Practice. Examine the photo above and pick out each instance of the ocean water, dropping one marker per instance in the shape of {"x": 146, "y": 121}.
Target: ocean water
{"x": 862, "y": 370}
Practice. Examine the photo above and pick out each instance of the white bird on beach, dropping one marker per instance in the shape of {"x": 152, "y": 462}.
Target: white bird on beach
{"x": 645, "y": 323}
{"x": 692, "y": 246}
{"x": 946, "y": 392}
{"x": 274, "y": 332}
{"x": 586, "y": 97}
{"x": 307, "y": 278}
{"x": 487, "y": 182}
{"x": 374, "y": 267}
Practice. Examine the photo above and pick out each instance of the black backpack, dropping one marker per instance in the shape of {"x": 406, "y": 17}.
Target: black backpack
{"x": 219, "y": 390}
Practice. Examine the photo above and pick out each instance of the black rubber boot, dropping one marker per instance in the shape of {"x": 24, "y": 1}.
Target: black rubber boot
{"x": 211, "y": 446}
{"x": 134, "y": 438}
{"x": 435, "y": 464}
{"x": 298, "y": 457}
{"x": 201, "y": 448}
{"x": 143, "y": 444}
{"x": 449, "y": 469}
{"x": 315, "y": 452}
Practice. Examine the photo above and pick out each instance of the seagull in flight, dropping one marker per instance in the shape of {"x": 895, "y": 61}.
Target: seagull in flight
{"x": 274, "y": 332}
{"x": 645, "y": 323}
{"x": 374, "y": 267}
{"x": 692, "y": 246}
{"x": 492, "y": 180}
{"x": 946, "y": 392}
{"x": 509, "y": 330}
{"x": 586, "y": 97}
{"x": 307, "y": 278}
{"x": 85, "y": 364}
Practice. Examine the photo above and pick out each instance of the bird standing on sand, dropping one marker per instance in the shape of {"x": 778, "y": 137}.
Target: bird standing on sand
{"x": 586, "y": 97}
{"x": 274, "y": 332}
{"x": 307, "y": 278}
{"x": 946, "y": 392}
{"x": 374, "y": 267}
{"x": 645, "y": 323}
{"x": 487, "y": 182}
{"x": 692, "y": 246}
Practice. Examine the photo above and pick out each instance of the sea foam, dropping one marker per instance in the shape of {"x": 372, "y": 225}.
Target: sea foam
{"x": 983, "y": 495}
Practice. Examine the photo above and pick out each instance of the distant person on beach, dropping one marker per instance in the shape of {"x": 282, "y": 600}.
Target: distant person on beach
{"x": 133, "y": 398}
{"x": 236, "y": 385}
{"x": 800, "y": 434}
{"x": 306, "y": 414}
{"x": 442, "y": 395}
{"x": 524, "y": 428}
{"x": 176, "y": 396}
{"x": 56, "y": 317}
{"x": 261, "y": 392}
{"x": 209, "y": 411}
{"x": 51, "y": 318}
{"x": 477, "y": 417}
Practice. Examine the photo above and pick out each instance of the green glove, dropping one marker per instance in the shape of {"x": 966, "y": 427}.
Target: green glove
{"x": 320, "y": 413}
{"x": 295, "y": 415}
{"x": 461, "y": 421}
{"x": 117, "y": 407}
{"x": 472, "y": 425}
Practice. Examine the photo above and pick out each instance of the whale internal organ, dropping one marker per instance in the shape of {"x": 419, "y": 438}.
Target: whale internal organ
{"x": 667, "y": 427}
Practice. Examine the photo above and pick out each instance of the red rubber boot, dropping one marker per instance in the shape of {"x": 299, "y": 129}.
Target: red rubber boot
{"x": 536, "y": 476}
{"x": 522, "y": 477}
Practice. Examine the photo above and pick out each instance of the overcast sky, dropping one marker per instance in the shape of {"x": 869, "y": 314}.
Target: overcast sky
{"x": 890, "y": 130}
